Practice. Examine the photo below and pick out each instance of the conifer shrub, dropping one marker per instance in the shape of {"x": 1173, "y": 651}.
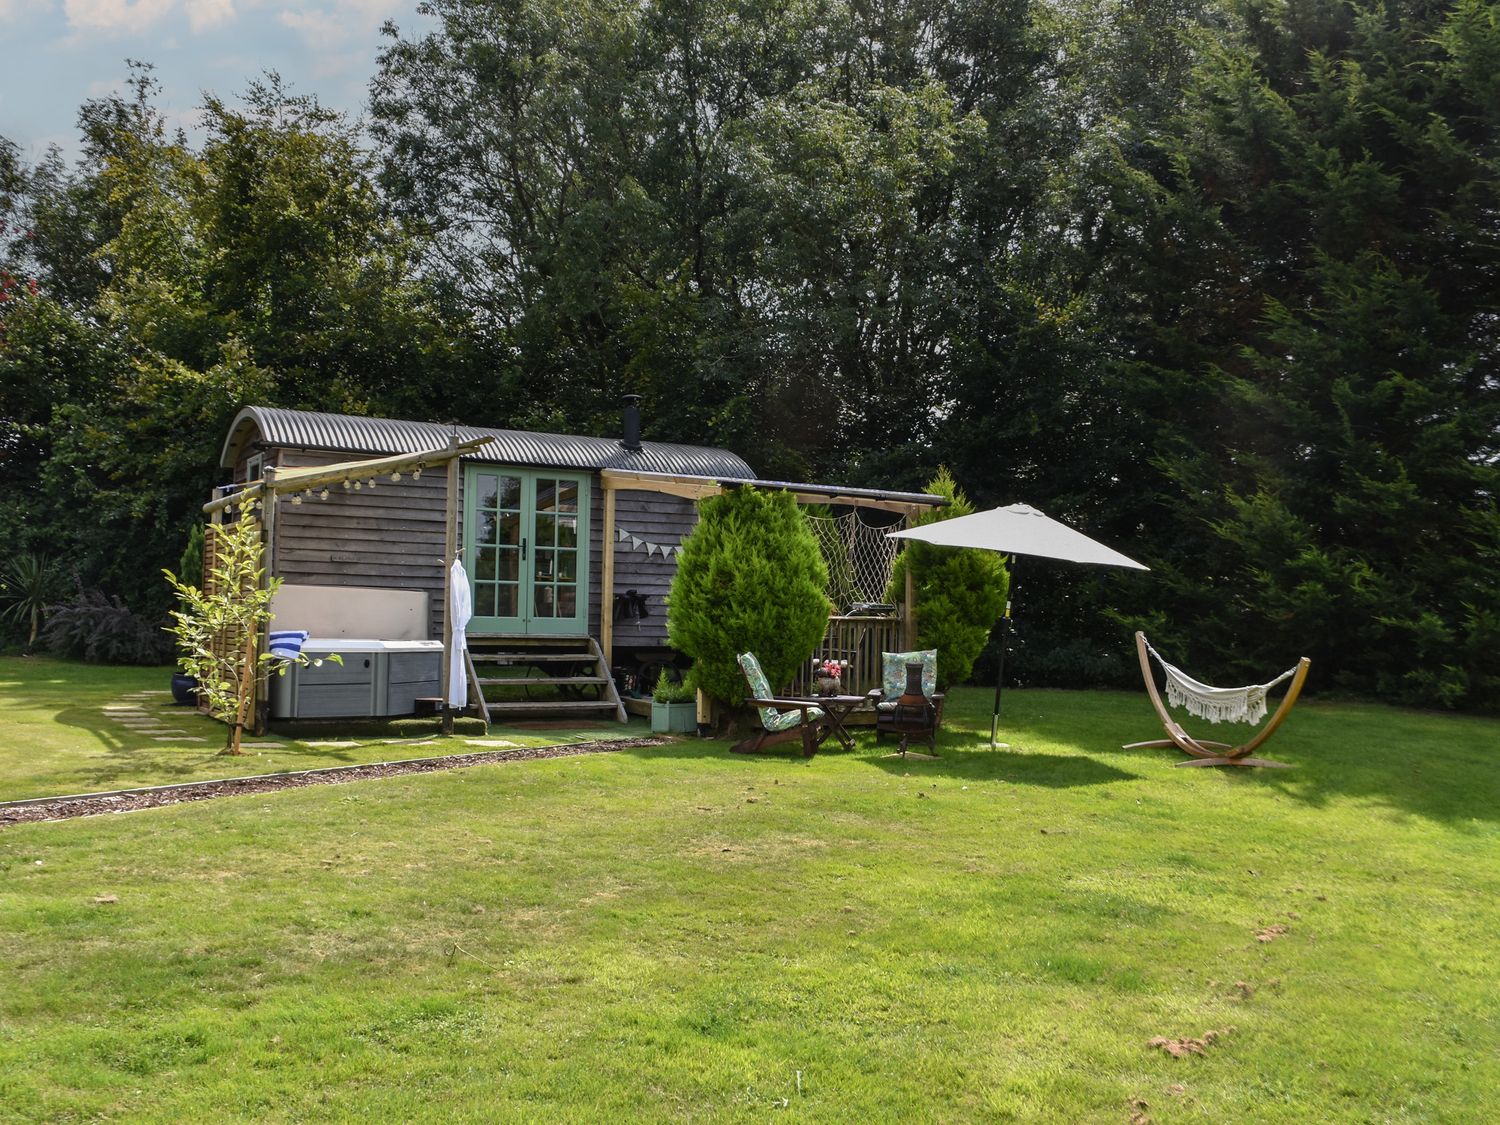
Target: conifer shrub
{"x": 750, "y": 578}
{"x": 959, "y": 593}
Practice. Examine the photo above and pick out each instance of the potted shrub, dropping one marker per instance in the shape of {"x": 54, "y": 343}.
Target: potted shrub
{"x": 673, "y": 707}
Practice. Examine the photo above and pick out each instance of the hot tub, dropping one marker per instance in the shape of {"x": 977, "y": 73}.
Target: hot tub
{"x": 377, "y": 678}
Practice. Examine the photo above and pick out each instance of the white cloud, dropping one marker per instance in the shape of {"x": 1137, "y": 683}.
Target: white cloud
{"x": 116, "y": 15}
{"x": 340, "y": 21}
{"x": 317, "y": 25}
{"x": 12, "y": 10}
{"x": 204, "y": 14}
{"x": 135, "y": 16}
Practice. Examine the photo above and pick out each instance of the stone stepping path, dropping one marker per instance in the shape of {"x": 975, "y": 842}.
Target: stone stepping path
{"x": 264, "y": 745}
{"x": 131, "y": 713}
{"x": 331, "y": 745}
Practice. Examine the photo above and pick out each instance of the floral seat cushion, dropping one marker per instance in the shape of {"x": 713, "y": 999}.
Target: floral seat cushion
{"x": 893, "y": 674}
{"x": 773, "y": 719}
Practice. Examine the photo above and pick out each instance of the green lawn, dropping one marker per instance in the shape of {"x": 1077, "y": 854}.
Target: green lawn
{"x": 678, "y": 933}
{"x": 68, "y": 728}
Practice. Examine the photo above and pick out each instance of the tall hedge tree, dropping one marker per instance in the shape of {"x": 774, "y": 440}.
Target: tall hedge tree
{"x": 750, "y": 578}
{"x": 1334, "y": 464}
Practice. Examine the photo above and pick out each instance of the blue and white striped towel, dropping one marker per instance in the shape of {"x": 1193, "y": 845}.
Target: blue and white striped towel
{"x": 287, "y": 643}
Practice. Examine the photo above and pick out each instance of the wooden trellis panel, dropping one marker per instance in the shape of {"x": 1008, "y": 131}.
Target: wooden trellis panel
{"x": 230, "y": 643}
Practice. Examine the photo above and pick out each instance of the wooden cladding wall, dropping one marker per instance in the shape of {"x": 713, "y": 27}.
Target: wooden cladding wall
{"x": 659, "y": 520}
{"x": 389, "y": 536}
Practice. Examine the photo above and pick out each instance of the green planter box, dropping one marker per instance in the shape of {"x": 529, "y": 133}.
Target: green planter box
{"x": 673, "y": 718}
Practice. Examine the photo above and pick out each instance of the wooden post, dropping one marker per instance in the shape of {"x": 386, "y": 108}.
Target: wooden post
{"x": 262, "y": 699}
{"x": 247, "y": 695}
{"x": 705, "y": 711}
{"x": 607, "y": 588}
{"x": 450, "y": 549}
{"x": 911, "y": 610}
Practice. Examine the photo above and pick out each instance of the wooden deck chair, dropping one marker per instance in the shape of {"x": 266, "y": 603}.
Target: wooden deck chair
{"x": 781, "y": 720}
{"x": 1246, "y": 704}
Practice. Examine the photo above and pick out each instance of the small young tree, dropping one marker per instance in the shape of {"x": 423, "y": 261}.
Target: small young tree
{"x": 216, "y": 632}
{"x": 750, "y": 578}
{"x": 960, "y": 594}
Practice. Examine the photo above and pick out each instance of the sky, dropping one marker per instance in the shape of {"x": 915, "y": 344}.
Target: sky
{"x": 56, "y": 54}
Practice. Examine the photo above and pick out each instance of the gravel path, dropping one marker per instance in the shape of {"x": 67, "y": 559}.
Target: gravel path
{"x": 99, "y": 804}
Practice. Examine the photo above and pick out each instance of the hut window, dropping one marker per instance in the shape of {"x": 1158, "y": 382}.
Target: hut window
{"x": 253, "y": 467}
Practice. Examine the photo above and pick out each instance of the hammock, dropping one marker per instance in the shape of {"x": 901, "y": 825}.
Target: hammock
{"x": 1216, "y": 704}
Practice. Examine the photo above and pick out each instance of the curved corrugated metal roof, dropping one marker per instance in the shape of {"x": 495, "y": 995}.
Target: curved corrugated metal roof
{"x": 345, "y": 433}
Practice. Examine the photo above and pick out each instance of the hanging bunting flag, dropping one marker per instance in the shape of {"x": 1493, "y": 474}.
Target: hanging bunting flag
{"x": 666, "y": 550}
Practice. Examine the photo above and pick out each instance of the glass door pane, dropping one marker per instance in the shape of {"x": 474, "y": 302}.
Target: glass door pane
{"x": 494, "y": 520}
{"x": 559, "y": 567}
{"x": 526, "y": 533}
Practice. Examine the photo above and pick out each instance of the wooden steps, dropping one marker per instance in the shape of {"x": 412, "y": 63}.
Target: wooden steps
{"x": 553, "y": 706}
{"x": 561, "y": 676}
{"x": 544, "y": 654}
{"x": 536, "y": 681}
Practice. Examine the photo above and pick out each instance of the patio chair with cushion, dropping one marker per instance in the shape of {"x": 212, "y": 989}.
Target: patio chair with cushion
{"x": 781, "y": 720}
{"x": 910, "y": 703}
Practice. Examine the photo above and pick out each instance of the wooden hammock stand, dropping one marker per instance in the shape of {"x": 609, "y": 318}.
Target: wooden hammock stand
{"x": 1204, "y": 752}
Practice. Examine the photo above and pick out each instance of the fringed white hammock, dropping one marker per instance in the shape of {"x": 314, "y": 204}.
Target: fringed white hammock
{"x": 1217, "y": 704}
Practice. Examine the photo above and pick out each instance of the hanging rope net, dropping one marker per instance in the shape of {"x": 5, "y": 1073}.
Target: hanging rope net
{"x": 859, "y": 557}
{"x": 1217, "y": 705}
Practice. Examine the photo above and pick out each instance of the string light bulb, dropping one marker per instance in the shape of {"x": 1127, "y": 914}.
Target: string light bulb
{"x": 372, "y": 482}
{"x": 395, "y": 477}
{"x": 418, "y": 474}
{"x": 296, "y": 498}
{"x": 346, "y": 484}
{"x": 358, "y": 485}
{"x": 324, "y": 494}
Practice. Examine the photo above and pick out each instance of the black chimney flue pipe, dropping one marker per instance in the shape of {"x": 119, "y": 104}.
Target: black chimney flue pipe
{"x": 632, "y": 437}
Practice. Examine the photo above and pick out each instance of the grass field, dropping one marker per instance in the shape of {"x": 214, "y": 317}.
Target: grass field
{"x": 678, "y": 933}
{"x": 67, "y": 729}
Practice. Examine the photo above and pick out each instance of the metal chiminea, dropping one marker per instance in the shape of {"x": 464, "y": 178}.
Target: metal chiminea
{"x": 632, "y": 421}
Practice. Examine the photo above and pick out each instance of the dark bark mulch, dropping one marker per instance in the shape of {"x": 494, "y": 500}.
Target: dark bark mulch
{"x": 65, "y": 808}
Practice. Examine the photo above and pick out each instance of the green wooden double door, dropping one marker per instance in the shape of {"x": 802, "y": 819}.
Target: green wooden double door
{"x": 526, "y": 550}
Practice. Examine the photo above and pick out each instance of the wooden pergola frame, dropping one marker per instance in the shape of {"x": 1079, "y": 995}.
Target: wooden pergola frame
{"x": 278, "y": 482}
{"x": 697, "y": 488}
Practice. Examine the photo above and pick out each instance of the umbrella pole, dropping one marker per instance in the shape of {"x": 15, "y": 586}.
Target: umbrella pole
{"x": 1000, "y": 669}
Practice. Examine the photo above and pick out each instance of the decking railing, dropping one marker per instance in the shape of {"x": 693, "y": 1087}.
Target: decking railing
{"x": 860, "y": 641}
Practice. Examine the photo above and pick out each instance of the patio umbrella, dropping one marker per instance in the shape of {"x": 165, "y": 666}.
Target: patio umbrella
{"x": 1016, "y": 530}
